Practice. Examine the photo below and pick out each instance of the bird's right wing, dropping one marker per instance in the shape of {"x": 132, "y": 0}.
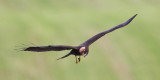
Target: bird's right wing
{"x": 96, "y": 37}
{"x": 49, "y": 48}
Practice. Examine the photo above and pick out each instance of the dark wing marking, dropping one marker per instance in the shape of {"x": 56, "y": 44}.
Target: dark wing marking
{"x": 96, "y": 37}
{"x": 49, "y": 48}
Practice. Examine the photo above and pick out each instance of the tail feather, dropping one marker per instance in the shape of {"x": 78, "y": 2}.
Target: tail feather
{"x": 64, "y": 56}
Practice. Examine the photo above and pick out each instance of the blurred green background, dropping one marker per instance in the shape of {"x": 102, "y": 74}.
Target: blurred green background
{"x": 130, "y": 53}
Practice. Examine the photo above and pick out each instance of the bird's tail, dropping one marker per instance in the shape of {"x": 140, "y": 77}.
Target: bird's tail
{"x": 64, "y": 56}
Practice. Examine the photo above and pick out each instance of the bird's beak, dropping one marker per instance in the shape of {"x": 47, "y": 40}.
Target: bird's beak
{"x": 84, "y": 55}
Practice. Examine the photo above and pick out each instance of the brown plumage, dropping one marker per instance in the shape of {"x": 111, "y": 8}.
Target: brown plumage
{"x": 82, "y": 49}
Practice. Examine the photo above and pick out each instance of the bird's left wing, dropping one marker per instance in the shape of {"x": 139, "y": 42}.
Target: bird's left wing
{"x": 49, "y": 48}
{"x": 96, "y": 37}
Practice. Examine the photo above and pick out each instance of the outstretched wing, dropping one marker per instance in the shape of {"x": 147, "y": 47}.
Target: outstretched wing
{"x": 49, "y": 48}
{"x": 96, "y": 37}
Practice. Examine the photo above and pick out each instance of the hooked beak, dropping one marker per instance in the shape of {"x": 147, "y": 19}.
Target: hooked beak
{"x": 85, "y": 55}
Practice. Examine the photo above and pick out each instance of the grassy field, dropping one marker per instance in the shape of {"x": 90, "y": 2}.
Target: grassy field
{"x": 130, "y": 53}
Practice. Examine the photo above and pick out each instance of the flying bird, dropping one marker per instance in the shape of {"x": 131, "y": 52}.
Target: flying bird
{"x": 82, "y": 49}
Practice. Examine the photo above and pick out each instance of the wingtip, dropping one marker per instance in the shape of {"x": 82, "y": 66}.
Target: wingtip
{"x": 27, "y": 49}
{"x": 58, "y": 58}
{"x": 128, "y": 21}
{"x": 135, "y": 15}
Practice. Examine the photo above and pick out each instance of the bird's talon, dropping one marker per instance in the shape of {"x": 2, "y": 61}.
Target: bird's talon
{"x": 79, "y": 59}
{"x": 76, "y": 60}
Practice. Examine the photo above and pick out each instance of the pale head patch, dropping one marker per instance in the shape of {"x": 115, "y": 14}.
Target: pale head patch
{"x": 82, "y": 49}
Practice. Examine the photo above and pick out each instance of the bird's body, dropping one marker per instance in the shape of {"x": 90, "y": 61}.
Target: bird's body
{"x": 82, "y": 49}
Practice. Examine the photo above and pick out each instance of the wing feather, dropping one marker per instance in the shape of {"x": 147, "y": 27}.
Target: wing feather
{"x": 96, "y": 37}
{"x": 49, "y": 48}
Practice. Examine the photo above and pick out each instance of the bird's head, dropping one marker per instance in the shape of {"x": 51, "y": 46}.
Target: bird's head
{"x": 83, "y": 51}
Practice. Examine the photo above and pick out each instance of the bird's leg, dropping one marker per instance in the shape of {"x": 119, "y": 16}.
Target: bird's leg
{"x": 79, "y": 59}
{"x": 76, "y": 60}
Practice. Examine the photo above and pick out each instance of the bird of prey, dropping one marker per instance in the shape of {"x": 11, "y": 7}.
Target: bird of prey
{"x": 82, "y": 49}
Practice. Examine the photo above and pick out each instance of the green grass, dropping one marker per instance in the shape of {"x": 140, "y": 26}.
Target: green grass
{"x": 130, "y": 53}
